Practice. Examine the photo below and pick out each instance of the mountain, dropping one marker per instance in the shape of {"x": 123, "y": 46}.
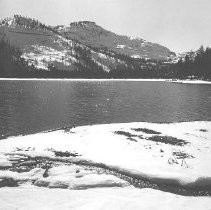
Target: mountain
{"x": 82, "y": 47}
{"x": 92, "y": 35}
{"x": 41, "y": 45}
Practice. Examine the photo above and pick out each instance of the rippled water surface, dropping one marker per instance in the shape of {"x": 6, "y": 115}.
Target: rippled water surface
{"x": 33, "y": 106}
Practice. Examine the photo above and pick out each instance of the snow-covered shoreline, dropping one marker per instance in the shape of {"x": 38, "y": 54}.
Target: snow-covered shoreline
{"x": 190, "y": 81}
{"x": 77, "y": 79}
{"x": 174, "y": 154}
{"x": 183, "y": 162}
{"x": 135, "y": 80}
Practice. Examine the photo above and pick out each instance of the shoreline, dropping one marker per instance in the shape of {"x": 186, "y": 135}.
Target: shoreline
{"x": 109, "y": 166}
{"x": 191, "y": 81}
{"x": 83, "y": 79}
{"x": 161, "y": 145}
{"x": 79, "y": 79}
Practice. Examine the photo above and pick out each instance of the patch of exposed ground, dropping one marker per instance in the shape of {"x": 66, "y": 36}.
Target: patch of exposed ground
{"x": 124, "y": 133}
{"x": 145, "y": 130}
{"x": 64, "y": 154}
{"x": 203, "y": 130}
{"x": 155, "y": 138}
{"x": 129, "y": 135}
{"x": 168, "y": 140}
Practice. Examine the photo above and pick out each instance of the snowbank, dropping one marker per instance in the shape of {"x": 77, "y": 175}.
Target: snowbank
{"x": 4, "y": 162}
{"x": 175, "y": 153}
{"x": 73, "y": 177}
{"x": 103, "y": 199}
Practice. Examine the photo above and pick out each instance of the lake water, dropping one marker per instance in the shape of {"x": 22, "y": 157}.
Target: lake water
{"x": 34, "y": 106}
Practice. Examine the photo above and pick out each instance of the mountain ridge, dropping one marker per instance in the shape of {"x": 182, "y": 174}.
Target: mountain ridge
{"x": 93, "y": 35}
{"x": 29, "y": 48}
{"x": 42, "y": 45}
{"x": 55, "y": 50}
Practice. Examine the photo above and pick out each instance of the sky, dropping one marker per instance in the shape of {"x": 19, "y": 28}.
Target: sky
{"x": 180, "y": 25}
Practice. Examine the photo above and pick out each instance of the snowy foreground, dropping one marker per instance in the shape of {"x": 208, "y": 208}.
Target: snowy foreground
{"x": 112, "y": 166}
{"x": 103, "y": 199}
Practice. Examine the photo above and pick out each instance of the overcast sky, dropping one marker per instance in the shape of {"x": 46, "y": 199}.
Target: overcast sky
{"x": 180, "y": 25}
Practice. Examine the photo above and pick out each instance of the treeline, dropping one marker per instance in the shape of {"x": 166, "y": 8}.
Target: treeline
{"x": 139, "y": 68}
{"x": 27, "y": 22}
{"x": 198, "y": 66}
{"x": 193, "y": 66}
{"x": 134, "y": 67}
{"x": 12, "y": 65}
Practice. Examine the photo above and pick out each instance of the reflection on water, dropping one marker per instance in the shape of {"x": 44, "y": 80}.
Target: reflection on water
{"x": 33, "y": 106}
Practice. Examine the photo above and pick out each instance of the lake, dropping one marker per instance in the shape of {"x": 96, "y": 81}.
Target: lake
{"x": 39, "y": 105}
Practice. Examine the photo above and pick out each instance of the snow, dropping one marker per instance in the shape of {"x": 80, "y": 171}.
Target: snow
{"x": 105, "y": 57}
{"x": 70, "y": 79}
{"x": 103, "y": 199}
{"x": 101, "y": 55}
{"x": 60, "y": 175}
{"x": 10, "y": 22}
{"x": 41, "y": 56}
{"x": 61, "y": 40}
{"x": 120, "y": 46}
{"x": 107, "y": 80}
{"x": 4, "y": 162}
{"x": 161, "y": 161}
{"x": 59, "y": 79}
{"x": 135, "y": 56}
{"x": 93, "y": 80}
{"x": 105, "y": 68}
{"x": 191, "y": 81}
{"x": 34, "y": 174}
{"x": 126, "y": 148}
{"x": 136, "y": 38}
{"x": 75, "y": 177}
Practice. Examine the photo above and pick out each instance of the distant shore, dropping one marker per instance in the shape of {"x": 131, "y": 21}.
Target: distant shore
{"x": 190, "y": 81}
{"x": 83, "y": 79}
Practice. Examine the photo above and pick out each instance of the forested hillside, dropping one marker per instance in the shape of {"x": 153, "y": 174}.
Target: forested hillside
{"x": 29, "y": 48}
